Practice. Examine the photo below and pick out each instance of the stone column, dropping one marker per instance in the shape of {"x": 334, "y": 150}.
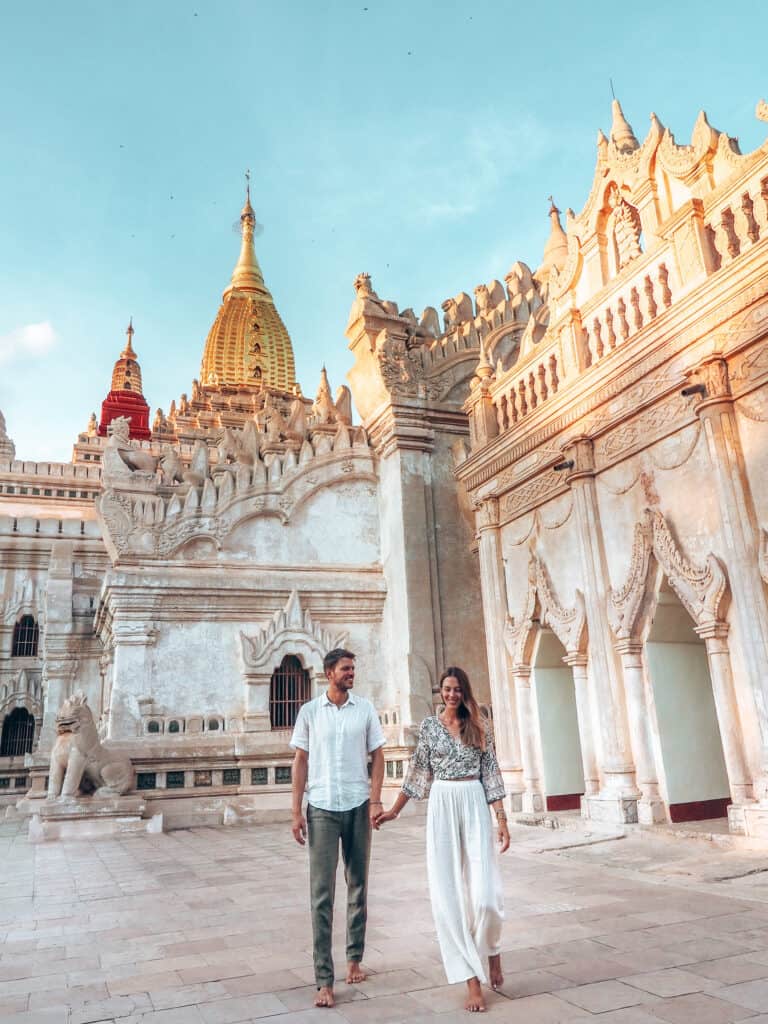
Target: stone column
{"x": 59, "y": 672}
{"x": 131, "y": 677}
{"x": 532, "y": 797}
{"x": 578, "y": 665}
{"x": 739, "y": 538}
{"x": 495, "y": 610}
{"x": 650, "y": 807}
{"x": 739, "y": 778}
{"x": 617, "y": 800}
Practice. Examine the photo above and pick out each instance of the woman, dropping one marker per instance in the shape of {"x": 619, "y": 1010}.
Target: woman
{"x": 455, "y": 759}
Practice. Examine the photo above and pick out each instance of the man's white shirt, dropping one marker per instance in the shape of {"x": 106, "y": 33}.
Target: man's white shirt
{"x": 338, "y": 740}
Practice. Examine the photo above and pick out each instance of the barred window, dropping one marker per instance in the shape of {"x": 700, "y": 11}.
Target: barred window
{"x": 26, "y": 634}
{"x": 289, "y": 689}
{"x": 18, "y": 733}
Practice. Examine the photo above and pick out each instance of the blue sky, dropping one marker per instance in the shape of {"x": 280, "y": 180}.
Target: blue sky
{"x": 416, "y": 141}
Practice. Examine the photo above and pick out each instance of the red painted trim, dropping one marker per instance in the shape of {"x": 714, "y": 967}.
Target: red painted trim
{"x": 700, "y": 810}
{"x": 564, "y": 802}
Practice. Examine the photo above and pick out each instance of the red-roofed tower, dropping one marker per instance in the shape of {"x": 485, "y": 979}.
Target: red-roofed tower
{"x": 125, "y": 397}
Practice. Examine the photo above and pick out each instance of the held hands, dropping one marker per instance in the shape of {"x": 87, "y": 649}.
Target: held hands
{"x": 374, "y": 812}
{"x": 299, "y": 828}
{"x": 384, "y": 816}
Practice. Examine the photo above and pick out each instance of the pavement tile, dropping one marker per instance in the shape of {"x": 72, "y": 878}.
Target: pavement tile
{"x": 751, "y": 994}
{"x": 604, "y": 995}
{"x": 731, "y": 970}
{"x": 670, "y": 982}
{"x": 700, "y": 1008}
{"x": 243, "y": 1008}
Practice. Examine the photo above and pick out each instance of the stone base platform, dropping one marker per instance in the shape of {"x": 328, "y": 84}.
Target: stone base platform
{"x": 90, "y": 818}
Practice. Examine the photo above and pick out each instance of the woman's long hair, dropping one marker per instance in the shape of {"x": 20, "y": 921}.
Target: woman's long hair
{"x": 471, "y": 728}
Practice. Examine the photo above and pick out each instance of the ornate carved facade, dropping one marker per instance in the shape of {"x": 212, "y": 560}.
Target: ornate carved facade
{"x": 630, "y": 486}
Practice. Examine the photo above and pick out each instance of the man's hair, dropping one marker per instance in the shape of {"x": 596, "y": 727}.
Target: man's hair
{"x": 335, "y": 655}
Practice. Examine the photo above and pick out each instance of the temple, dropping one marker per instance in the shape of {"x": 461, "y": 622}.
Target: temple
{"x": 561, "y": 484}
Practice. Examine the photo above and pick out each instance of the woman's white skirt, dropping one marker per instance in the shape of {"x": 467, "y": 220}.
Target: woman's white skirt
{"x": 464, "y": 880}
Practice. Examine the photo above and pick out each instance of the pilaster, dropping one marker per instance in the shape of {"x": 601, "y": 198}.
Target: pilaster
{"x": 650, "y": 806}
{"x": 739, "y": 537}
{"x": 528, "y": 720}
{"x": 495, "y": 611}
{"x": 617, "y": 800}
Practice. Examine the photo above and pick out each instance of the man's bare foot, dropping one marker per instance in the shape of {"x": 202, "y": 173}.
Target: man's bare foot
{"x": 355, "y": 972}
{"x": 495, "y": 973}
{"x": 324, "y": 996}
{"x": 474, "y": 1003}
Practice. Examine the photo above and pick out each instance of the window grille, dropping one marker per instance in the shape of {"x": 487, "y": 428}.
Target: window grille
{"x": 26, "y": 634}
{"x": 18, "y": 733}
{"x": 174, "y": 780}
{"x": 146, "y": 780}
{"x": 282, "y": 775}
{"x": 5, "y": 782}
{"x": 288, "y": 690}
{"x": 21, "y": 782}
{"x": 231, "y": 777}
{"x": 259, "y": 777}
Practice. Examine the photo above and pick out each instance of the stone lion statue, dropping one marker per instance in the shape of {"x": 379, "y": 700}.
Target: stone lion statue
{"x": 79, "y": 762}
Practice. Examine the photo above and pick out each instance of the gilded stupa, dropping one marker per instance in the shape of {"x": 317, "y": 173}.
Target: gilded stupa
{"x": 248, "y": 344}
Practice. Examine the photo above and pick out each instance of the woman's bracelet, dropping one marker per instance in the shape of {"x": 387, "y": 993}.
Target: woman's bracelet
{"x": 376, "y": 803}
{"x": 501, "y": 815}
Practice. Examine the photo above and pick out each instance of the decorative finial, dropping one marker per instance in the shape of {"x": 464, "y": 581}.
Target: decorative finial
{"x": 248, "y": 185}
{"x": 128, "y": 350}
{"x": 622, "y": 135}
{"x": 613, "y": 94}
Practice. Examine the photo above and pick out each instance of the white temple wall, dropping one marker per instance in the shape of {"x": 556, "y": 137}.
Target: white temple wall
{"x": 337, "y": 525}
{"x": 460, "y": 633}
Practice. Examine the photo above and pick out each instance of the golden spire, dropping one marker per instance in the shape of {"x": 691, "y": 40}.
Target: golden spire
{"x": 247, "y": 273}
{"x": 126, "y": 375}
{"x": 622, "y": 135}
{"x": 128, "y": 352}
{"x": 248, "y": 344}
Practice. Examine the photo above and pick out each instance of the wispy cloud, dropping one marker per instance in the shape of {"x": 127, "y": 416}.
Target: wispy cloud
{"x": 435, "y": 170}
{"x": 30, "y": 341}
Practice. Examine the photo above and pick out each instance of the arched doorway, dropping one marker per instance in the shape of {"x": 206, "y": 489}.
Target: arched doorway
{"x": 696, "y": 780}
{"x": 561, "y": 755}
{"x": 289, "y": 689}
{"x": 18, "y": 733}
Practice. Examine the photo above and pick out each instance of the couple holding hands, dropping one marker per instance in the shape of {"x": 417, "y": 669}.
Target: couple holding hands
{"x": 456, "y": 764}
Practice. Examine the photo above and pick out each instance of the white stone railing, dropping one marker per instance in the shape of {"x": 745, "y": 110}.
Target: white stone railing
{"x": 524, "y": 388}
{"x": 628, "y": 311}
{"x": 738, "y": 223}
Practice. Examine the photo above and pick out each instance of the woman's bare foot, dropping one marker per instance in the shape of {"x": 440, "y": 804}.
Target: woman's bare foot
{"x": 355, "y": 972}
{"x": 324, "y": 996}
{"x": 495, "y": 973}
{"x": 474, "y": 1003}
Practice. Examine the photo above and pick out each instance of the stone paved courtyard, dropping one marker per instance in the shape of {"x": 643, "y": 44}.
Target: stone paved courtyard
{"x": 210, "y": 926}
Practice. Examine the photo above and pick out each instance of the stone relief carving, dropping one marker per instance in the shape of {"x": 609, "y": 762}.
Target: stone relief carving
{"x": 294, "y": 626}
{"x": 78, "y": 756}
{"x": 703, "y": 590}
{"x": 543, "y": 608}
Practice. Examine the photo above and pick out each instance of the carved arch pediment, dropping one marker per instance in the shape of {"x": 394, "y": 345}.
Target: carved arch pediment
{"x": 703, "y": 590}
{"x": 291, "y": 630}
{"x": 542, "y": 608}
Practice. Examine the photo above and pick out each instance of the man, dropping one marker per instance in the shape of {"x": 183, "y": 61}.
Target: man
{"x": 333, "y": 737}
